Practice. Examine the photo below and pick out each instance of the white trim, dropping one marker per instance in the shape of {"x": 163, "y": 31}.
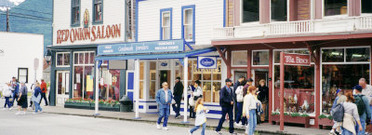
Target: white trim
{"x": 232, "y": 58}
{"x": 287, "y": 13}
{"x": 262, "y": 50}
{"x": 63, "y": 57}
{"x": 335, "y": 16}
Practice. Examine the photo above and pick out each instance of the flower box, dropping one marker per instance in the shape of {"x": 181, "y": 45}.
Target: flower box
{"x": 108, "y": 107}
{"x": 77, "y": 105}
{"x": 325, "y": 122}
{"x": 290, "y": 119}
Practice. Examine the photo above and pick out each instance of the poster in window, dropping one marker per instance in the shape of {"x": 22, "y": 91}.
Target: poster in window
{"x": 89, "y": 83}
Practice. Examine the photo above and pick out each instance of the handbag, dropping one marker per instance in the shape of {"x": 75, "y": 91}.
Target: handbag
{"x": 36, "y": 99}
{"x": 191, "y": 101}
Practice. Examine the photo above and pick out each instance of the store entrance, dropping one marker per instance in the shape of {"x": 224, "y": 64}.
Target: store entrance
{"x": 260, "y": 74}
{"x": 164, "y": 77}
{"x": 63, "y": 86}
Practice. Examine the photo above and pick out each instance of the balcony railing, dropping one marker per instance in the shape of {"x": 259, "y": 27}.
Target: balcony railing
{"x": 295, "y": 28}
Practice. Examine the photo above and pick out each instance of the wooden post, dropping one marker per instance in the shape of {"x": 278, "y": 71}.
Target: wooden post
{"x": 228, "y": 64}
{"x": 270, "y": 83}
{"x": 249, "y": 64}
{"x": 281, "y": 91}
{"x": 317, "y": 86}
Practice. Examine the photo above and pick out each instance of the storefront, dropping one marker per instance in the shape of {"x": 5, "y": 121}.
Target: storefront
{"x": 337, "y": 62}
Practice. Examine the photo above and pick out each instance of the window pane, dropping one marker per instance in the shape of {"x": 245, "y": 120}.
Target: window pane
{"x": 335, "y": 7}
{"x": 333, "y": 55}
{"x": 250, "y": 11}
{"x": 166, "y": 19}
{"x": 141, "y": 90}
{"x": 340, "y": 77}
{"x": 152, "y": 89}
{"x": 88, "y": 80}
{"x": 207, "y": 91}
{"x": 279, "y": 10}
{"x": 366, "y": 6}
{"x": 261, "y": 58}
{"x": 76, "y": 58}
{"x": 81, "y": 58}
{"x": 23, "y": 72}
{"x": 66, "y": 59}
{"x": 166, "y": 33}
{"x": 98, "y": 11}
{"x": 59, "y": 59}
{"x": 142, "y": 71}
{"x": 91, "y": 59}
{"x": 78, "y": 79}
{"x": 188, "y": 24}
{"x": 239, "y": 58}
{"x": 216, "y": 92}
{"x": 357, "y": 55}
{"x": 86, "y": 58}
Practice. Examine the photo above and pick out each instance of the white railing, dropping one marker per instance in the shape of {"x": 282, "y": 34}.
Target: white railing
{"x": 295, "y": 27}
{"x": 365, "y": 22}
{"x": 221, "y": 33}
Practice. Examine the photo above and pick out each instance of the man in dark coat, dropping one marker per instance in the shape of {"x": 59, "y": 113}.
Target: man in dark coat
{"x": 227, "y": 103}
{"x": 178, "y": 91}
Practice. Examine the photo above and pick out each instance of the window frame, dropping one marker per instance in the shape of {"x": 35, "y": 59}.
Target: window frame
{"x": 241, "y": 15}
{"x": 232, "y": 58}
{"x": 183, "y": 23}
{"x": 335, "y": 16}
{"x": 162, "y": 11}
{"x": 18, "y": 75}
{"x": 95, "y": 22}
{"x": 361, "y": 8}
{"x": 63, "y": 59}
{"x": 72, "y": 23}
{"x": 252, "y": 55}
{"x": 288, "y": 12}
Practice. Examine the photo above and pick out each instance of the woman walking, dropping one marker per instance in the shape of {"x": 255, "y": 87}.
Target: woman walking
{"x": 351, "y": 116}
{"x": 22, "y": 99}
{"x": 36, "y": 98}
{"x": 198, "y": 93}
{"x": 201, "y": 119}
{"x": 7, "y": 93}
{"x": 249, "y": 110}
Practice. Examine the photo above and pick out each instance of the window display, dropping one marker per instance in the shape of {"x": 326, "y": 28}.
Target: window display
{"x": 109, "y": 85}
{"x": 83, "y": 75}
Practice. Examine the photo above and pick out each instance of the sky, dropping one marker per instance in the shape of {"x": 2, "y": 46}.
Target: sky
{"x": 9, "y": 3}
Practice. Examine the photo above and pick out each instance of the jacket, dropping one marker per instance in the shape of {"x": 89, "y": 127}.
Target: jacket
{"x": 200, "y": 115}
{"x": 366, "y": 115}
{"x": 349, "y": 123}
{"x": 226, "y": 97}
{"x": 263, "y": 96}
{"x": 16, "y": 88}
{"x": 249, "y": 103}
{"x": 178, "y": 89}
{"x": 43, "y": 87}
{"x": 160, "y": 98}
{"x": 37, "y": 91}
{"x": 8, "y": 91}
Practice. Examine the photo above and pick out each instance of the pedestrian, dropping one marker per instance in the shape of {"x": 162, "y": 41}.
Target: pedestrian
{"x": 238, "y": 83}
{"x": 7, "y": 93}
{"x": 198, "y": 93}
{"x": 177, "y": 94}
{"x": 201, "y": 119}
{"x": 263, "y": 96}
{"x": 32, "y": 88}
{"x": 335, "y": 129}
{"x": 22, "y": 99}
{"x": 190, "y": 98}
{"x": 362, "y": 104}
{"x": 350, "y": 116}
{"x": 164, "y": 99}
{"x": 36, "y": 96}
{"x": 239, "y": 122}
{"x": 44, "y": 90}
{"x": 249, "y": 110}
{"x": 227, "y": 104}
{"x": 15, "y": 86}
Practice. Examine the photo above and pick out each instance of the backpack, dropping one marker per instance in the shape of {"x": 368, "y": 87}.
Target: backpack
{"x": 338, "y": 113}
{"x": 360, "y": 104}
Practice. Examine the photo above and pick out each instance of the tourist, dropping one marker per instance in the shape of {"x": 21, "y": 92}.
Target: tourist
{"x": 249, "y": 110}
{"x": 164, "y": 99}
{"x": 44, "y": 90}
{"x": 350, "y": 116}
{"x": 227, "y": 104}
{"x": 7, "y": 93}
{"x": 336, "y": 130}
{"x": 22, "y": 99}
{"x": 364, "y": 111}
{"x": 198, "y": 93}
{"x": 201, "y": 119}
{"x": 36, "y": 97}
{"x": 191, "y": 103}
{"x": 15, "y": 86}
{"x": 263, "y": 96}
{"x": 239, "y": 122}
{"x": 177, "y": 94}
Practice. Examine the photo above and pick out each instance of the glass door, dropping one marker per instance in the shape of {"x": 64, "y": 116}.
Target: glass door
{"x": 63, "y": 86}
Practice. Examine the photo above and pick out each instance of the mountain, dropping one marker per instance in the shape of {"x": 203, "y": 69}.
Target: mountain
{"x": 31, "y": 16}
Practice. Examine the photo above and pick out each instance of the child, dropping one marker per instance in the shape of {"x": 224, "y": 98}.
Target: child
{"x": 201, "y": 119}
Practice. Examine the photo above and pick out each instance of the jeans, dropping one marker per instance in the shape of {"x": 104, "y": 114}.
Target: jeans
{"x": 252, "y": 122}
{"x": 43, "y": 97}
{"x": 227, "y": 110}
{"x": 346, "y": 132}
{"x": 177, "y": 107}
{"x": 238, "y": 117}
{"x": 197, "y": 127}
{"x": 37, "y": 107}
{"x": 363, "y": 122}
{"x": 192, "y": 113}
{"x": 7, "y": 102}
{"x": 163, "y": 113}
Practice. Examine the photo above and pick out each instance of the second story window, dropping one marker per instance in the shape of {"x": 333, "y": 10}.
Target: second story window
{"x": 278, "y": 10}
{"x": 366, "y": 6}
{"x": 75, "y": 12}
{"x": 166, "y": 24}
{"x": 250, "y": 11}
{"x": 335, "y": 7}
{"x": 188, "y": 23}
{"x": 97, "y": 11}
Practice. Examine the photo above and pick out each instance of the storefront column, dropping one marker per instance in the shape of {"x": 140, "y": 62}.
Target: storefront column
{"x": 96, "y": 89}
{"x": 249, "y": 64}
{"x": 317, "y": 86}
{"x": 185, "y": 79}
{"x": 228, "y": 64}
{"x": 53, "y": 80}
{"x": 270, "y": 104}
{"x": 136, "y": 86}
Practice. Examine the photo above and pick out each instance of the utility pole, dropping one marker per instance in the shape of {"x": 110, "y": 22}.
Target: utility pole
{"x": 7, "y": 19}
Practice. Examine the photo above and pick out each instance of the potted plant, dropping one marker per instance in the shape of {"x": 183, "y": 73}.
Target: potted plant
{"x": 325, "y": 120}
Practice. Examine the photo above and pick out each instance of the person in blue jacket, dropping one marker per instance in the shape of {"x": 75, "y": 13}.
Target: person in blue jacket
{"x": 36, "y": 101}
{"x": 15, "y": 85}
{"x": 163, "y": 98}
{"x": 227, "y": 104}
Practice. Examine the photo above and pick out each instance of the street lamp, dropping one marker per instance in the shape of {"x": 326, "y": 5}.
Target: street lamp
{"x": 48, "y": 57}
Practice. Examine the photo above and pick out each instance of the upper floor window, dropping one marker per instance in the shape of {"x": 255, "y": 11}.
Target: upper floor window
{"x": 335, "y": 7}
{"x": 366, "y": 6}
{"x": 166, "y": 24}
{"x": 250, "y": 11}
{"x": 279, "y": 10}
{"x": 75, "y": 12}
{"x": 63, "y": 59}
{"x": 23, "y": 75}
{"x": 98, "y": 11}
{"x": 188, "y": 23}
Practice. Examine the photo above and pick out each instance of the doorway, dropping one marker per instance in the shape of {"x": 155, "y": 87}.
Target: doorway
{"x": 63, "y": 87}
{"x": 164, "y": 77}
{"x": 259, "y": 74}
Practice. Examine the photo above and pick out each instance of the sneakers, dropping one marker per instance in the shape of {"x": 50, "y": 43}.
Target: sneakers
{"x": 190, "y": 132}
{"x": 158, "y": 126}
{"x": 238, "y": 124}
{"x": 165, "y": 128}
{"x": 218, "y": 132}
{"x": 18, "y": 113}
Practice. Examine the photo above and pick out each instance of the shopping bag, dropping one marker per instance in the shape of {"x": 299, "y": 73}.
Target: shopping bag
{"x": 191, "y": 101}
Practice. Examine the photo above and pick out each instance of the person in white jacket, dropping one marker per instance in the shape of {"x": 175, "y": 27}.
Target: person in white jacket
{"x": 239, "y": 101}
{"x": 7, "y": 93}
{"x": 249, "y": 109}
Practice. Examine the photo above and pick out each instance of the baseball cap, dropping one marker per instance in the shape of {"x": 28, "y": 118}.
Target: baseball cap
{"x": 358, "y": 87}
{"x": 228, "y": 80}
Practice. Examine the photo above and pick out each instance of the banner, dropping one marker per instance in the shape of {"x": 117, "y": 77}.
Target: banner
{"x": 207, "y": 62}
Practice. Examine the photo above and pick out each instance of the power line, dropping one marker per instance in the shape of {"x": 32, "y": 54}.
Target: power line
{"x": 33, "y": 18}
{"x": 16, "y": 7}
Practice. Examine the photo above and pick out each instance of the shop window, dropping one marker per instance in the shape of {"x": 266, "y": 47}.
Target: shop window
{"x": 188, "y": 23}
{"x": 166, "y": 24}
{"x": 366, "y": 6}
{"x": 260, "y": 58}
{"x": 152, "y": 79}
{"x": 335, "y": 7}
{"x": 97, "y": 11}
{"x": 75, "y": 13}
{"x": 109, "y": 87}
{"x": 83, "y": 75}
{"x": 239, "y": 58}
{"x": 63, "y": 59}
{"x": 141, "y": 77}
{"x": 298, "y": 51}
{"x": 333, "y": 55}
{"x": 357, "y": 55}
{"x": 279, "y": 10}
{"x": 250, "y": 11}
{"x": 23, "y": 75}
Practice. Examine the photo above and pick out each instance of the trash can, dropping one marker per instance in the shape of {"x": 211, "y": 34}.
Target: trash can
{"x": 126, "y": 104}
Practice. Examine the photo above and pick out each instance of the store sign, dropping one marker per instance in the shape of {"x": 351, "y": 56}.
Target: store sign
{"x": 207, "y": 62}
{"x": 296, "y": 59}
{"x": 142, "y": 47}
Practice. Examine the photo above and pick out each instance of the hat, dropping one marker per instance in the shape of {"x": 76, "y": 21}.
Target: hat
{"x": 228, "y": 80}
{"x": 250, "y": 80}
{"x": 179, "y": 78}
{"x": 338, "y": 90}
{"x": 358, "y": 87}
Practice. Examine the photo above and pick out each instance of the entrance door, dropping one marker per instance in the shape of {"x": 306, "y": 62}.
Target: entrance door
{"x": 63, "y": 86}
{"x": 164, "y": 77}
{"x": 259, "y": 74}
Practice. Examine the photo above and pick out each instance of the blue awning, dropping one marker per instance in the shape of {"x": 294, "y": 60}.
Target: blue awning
{"x": 158, "y": 56}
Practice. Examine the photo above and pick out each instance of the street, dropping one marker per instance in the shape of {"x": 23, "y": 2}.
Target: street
{"x": 51, "y": 124}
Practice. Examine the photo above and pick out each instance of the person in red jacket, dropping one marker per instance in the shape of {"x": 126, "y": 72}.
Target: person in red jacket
{"x": 44, "y": 90}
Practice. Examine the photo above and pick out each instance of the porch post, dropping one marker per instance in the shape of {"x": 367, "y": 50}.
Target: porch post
{"x": 136, "y": 86}
{"x": 249, "y": 64}
{"x": 96, "y": 92}
{"x": 185, "y": 80}
{"x": 271, "y": 79}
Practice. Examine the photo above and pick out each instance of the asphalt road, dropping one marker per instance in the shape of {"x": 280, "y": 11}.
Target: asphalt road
{"x": 52, "y": 124}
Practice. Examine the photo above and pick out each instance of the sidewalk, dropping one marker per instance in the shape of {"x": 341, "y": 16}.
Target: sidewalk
{"x": 212, "y": 123}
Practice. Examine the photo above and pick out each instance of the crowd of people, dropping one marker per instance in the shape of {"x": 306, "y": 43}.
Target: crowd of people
{"x": 17, "y": 92}
{"x": 248, "y": 101}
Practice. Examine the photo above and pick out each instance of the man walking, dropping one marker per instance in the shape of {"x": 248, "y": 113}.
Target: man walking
{"x": 15, "y": 86}
{"x": 164, "y": 99}
{"x": 227, "y": 103}
{"x": 44, "y": 90}
{"x": 363, "y": 108}
{"x": 178, "y": 91}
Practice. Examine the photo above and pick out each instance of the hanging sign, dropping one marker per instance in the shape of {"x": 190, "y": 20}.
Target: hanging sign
{"x": 207, "y": 62}
{"x": 296, "y": 59}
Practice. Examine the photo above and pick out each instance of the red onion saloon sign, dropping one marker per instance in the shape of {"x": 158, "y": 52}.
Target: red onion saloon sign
{"x": 89, "y": 33}
{"x": 296, "y": 59}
